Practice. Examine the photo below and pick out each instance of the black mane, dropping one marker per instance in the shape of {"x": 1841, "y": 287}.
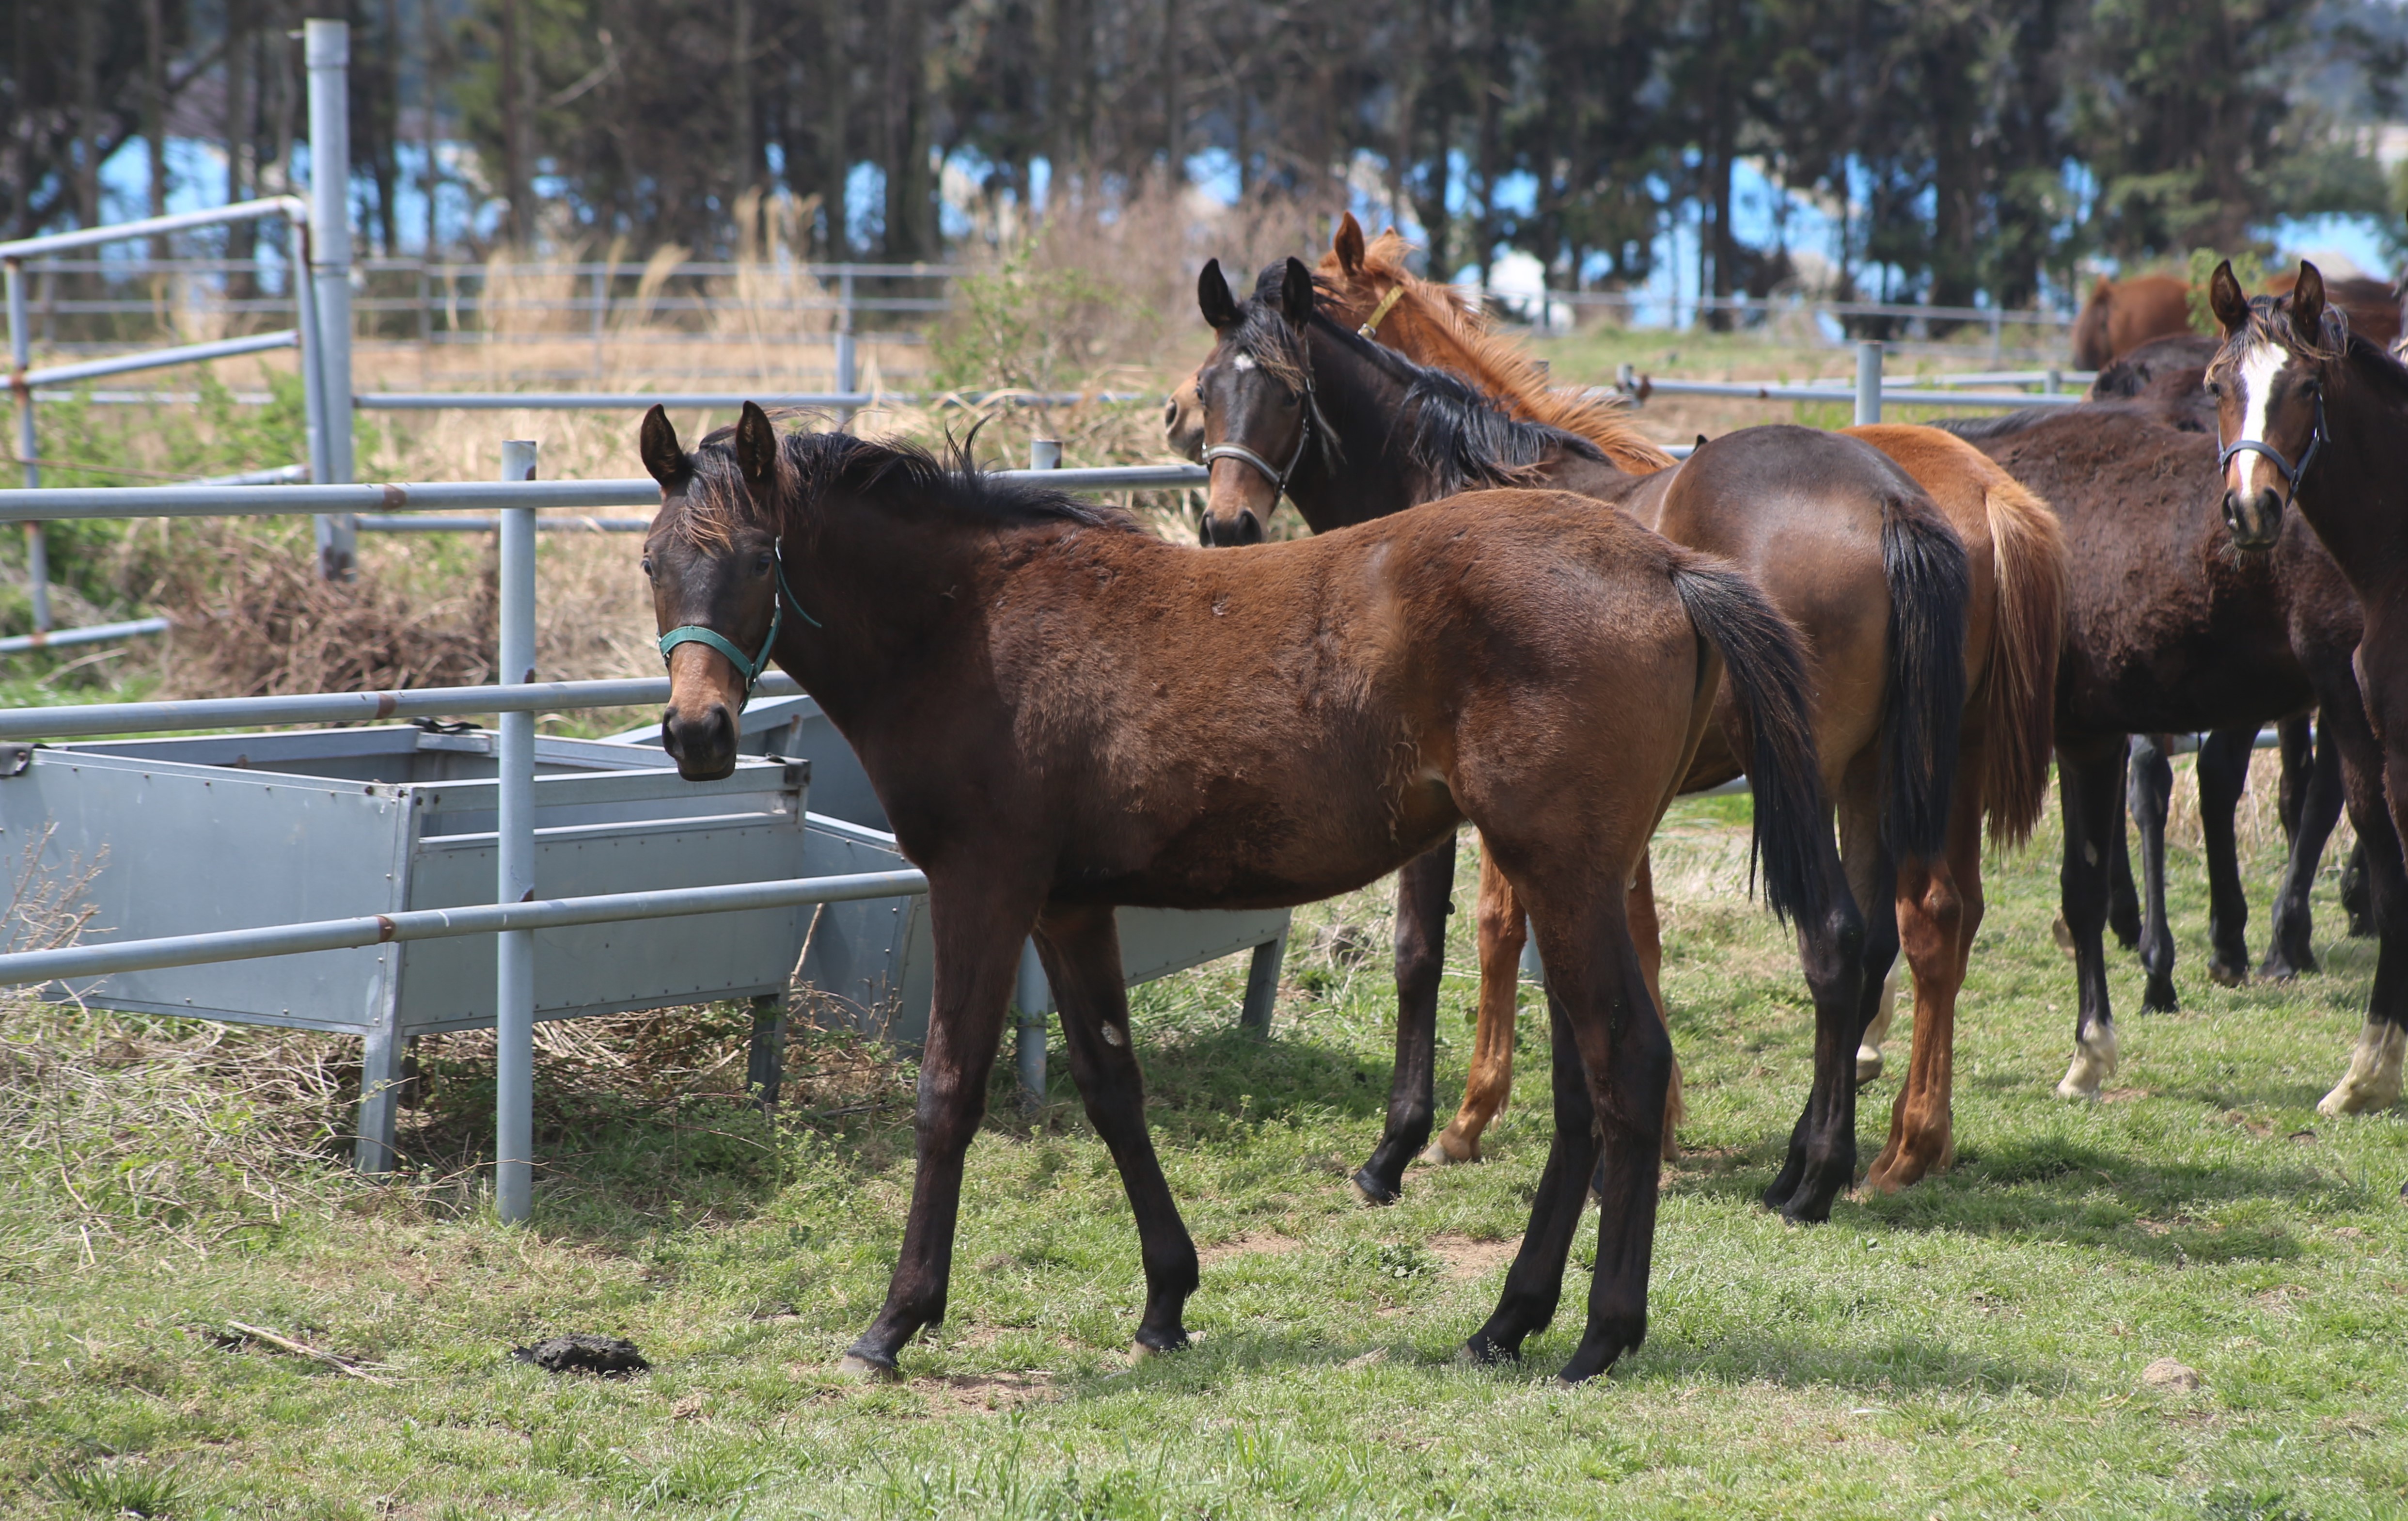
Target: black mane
{"x": 954, "y": 484}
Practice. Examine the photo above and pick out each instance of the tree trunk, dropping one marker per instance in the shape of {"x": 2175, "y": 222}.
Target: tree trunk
{"x": 1174, "y": 104}
{"x": 516, "y": 171}
{"x": 740, "y": 98}
{"x": 88, "y": 130}
{"x": 837, "y": 147}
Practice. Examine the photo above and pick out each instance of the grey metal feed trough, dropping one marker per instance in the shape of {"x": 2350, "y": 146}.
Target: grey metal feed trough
{"x": 875, "y": 957}
{"x": 187, "y": 836}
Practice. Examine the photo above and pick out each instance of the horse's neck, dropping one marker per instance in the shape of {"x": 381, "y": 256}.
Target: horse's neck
{"x": 1376, "y": 474}
{"x": 882, "y": 592}
{"x": 2357, "y": 496}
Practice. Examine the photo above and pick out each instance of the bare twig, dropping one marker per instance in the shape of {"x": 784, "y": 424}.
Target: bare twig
{"x": 302, "y": 1350}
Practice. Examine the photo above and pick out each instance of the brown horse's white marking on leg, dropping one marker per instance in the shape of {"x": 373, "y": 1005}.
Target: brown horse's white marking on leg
{"x": 1869, "y": 1045}
{"x": 2373, "y": 1080}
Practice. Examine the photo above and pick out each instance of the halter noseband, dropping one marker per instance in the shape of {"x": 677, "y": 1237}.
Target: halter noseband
{"x": 1277, "y": 478}
{"x": 755, "y": 667}
{"x": 2284, "y": 467}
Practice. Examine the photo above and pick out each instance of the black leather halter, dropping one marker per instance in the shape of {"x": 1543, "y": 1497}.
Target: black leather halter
{"x": 2284, "y": 467}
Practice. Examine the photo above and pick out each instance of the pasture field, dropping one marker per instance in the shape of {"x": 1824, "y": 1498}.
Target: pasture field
{"x": 1973, "y": 1347}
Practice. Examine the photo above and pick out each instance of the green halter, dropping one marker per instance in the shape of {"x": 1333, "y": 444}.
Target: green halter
{"x": 753, "y": 668}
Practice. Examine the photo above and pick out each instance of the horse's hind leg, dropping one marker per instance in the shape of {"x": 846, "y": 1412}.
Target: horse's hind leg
{"x": 2153, "y": 786}
{"x": 2312, "y": 780}
{"x": 1501, "y": 935}
{"x": 978, "y": 940}
{"x": 2087, "y": 785}
{"x": 1611, "y": 1064}
{"x": 1424, "y": 897}
{"x": 2373, "y": 1079}
{"x": 1082, "y": 952}
{"x": 1821, "y": 1163}
{"x": 1939, "y": 912}
{"x": 2223, "y": 776}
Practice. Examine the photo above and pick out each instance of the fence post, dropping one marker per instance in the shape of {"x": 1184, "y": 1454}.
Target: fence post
{"x": 20, "y": 350}
{"x": 1869, "y": 382}
{"x": 328, "y": 51}
{"x": 846, "y": 373}
{"x": 1034, "y": 998}
{"x": 514, "y": 950}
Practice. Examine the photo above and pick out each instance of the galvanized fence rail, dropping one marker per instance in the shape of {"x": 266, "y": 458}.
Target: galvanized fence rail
{"x": 515, "y": 914}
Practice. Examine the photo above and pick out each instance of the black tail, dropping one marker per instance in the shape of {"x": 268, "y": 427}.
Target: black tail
{"x": 1928, "y": 588}
{"x": 1766, "y": 672}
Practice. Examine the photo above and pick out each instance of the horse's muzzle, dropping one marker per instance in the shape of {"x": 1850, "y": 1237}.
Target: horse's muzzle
{"x": 702, "y": 743}
{"x": 1245, "y": 528}
{"x": 2254, "y": 518}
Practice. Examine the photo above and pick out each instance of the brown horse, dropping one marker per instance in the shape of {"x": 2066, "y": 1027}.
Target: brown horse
{"x": 1062, "y": 713}
{"x": 2015, "y": 558}
{"x": 2169, "y": 629}
{"x": 2309, "y": 413}
{"x": 2372, "y": 305}
{"x": 2123, "y": 314}
{"x": 1843, "y": 542}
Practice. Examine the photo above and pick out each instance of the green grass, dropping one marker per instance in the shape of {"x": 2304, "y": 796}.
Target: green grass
{"x": 1974, "y": 1346}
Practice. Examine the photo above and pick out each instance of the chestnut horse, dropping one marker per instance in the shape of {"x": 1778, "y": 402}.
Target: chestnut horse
{"x": 1843, "y": 542}
{"x": 2016, "y": 559}
{"x": 1061, "y": 713}
{"x": 2123, "y": 314}
{"x": 2311, "y": 414}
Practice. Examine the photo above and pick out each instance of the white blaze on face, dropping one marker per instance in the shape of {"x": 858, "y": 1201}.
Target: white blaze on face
{"x": 1243, "y": 363}
{"x": 2247, "y": 472}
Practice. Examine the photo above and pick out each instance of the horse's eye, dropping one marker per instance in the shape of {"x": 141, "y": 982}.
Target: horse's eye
{"x": 2215, "y": 388}
{"x": 648, "y": 567}
{"x": 762, "y": 564}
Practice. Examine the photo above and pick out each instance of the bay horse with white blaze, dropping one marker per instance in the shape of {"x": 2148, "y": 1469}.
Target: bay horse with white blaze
{"x": 1845, "y": 544}
{"x": 1061, "y": 713}
{"x": 2311, "y": 414}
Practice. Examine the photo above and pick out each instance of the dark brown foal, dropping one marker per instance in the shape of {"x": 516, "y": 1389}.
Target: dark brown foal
{"x": 1062, "y": 713}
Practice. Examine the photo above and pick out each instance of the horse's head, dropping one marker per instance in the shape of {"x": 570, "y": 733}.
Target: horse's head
{"x": 718, "y": 584}
{"x": 1259, "y": 414}
{"x": 2269, "y": 384}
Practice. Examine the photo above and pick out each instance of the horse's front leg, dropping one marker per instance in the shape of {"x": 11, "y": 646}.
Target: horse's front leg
{"x": 2152, "y": 790}
{"x": 978, "y": 938}
{"x": 1082, "y": 950}
{"x": 1425, "y": 896}
{"x": 2223, "y": 771}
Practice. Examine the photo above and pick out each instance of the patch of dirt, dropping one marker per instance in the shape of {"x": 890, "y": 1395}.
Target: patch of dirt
{"x": 1466, "y": 1258}
{"x": 1248, "y": 1243}
{"x": 985, "y": 1394}
{"x": 2124, "y": 1096}
{"x": 2260, "y": 1128}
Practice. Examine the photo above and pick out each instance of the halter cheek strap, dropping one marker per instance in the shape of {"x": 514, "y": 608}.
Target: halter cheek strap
{"x": 750, "y": 668}
{"x": 1370, "y": 328}
{"x": 2288, "y": 471}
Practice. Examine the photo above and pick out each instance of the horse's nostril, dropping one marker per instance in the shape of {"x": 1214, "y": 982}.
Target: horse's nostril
{"x": 1250, "y": 528}
{"x": 1204, "y": 531}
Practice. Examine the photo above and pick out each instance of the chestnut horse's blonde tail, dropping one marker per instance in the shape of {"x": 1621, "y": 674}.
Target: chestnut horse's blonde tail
{"x": 1765, "y": 667}
{"x": 2019, "y": 693}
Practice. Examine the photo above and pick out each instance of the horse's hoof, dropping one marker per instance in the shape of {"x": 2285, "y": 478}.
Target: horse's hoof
{"x": 1869, "y": 1065}
{"x": 1480, "y": 1352}
{"x": 854, "y": 1365}
{"x": 2094, "y": 1062}
{"x": 2159, "y": 997}
{"x": 2224, "y": 976}
{"x": 2373, "y": 1080}
{"x": 1141, "y": 1349}
{"x": 1371, "y": 1191}
{"x": 1450, "y": 1148}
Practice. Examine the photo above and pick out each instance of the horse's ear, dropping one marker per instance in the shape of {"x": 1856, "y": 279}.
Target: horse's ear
{"x": 657, "y": 441}
{"x": 1296, "y": 292}
{"x": 2308, "y": 304}
{"x": 756, "y": 446}
{"x": 2224, "y": 298}
{"x": 1348, "y": 244}
{"x": 1212, "y": 295}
